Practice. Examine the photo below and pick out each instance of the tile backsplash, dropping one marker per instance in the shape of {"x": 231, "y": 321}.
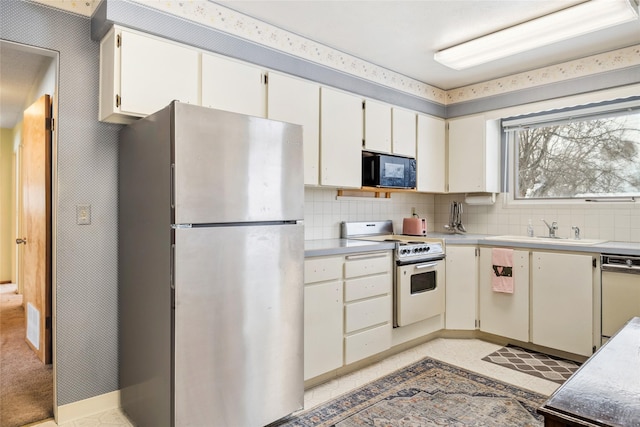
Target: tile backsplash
{"x": 324, "y": 212}
{"x": 613, "y": 221}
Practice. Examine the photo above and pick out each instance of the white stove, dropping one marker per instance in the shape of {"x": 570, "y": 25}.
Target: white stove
{"x": 409, "y": 249}
{"x": 418, "y": 285}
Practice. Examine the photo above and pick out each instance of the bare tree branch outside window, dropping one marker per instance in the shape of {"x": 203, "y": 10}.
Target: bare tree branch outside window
{"x": 591, "y": 158}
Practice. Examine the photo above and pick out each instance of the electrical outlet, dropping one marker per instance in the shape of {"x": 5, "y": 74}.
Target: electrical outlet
{"x": 83, "y": 214}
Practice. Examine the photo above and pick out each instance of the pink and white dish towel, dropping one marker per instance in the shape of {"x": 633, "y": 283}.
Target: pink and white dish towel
{"x": 502, "y": 274}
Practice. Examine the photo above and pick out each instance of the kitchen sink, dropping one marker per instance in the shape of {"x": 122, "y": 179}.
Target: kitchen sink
{"x": 548, "y": 240}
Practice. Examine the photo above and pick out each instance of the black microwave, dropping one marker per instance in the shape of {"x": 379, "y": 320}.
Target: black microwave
{"x": 383, "y": 170}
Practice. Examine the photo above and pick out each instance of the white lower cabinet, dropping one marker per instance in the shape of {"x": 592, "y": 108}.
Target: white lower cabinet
{"x": 562, "y": 301}
{"x": 323, "y": 319}
{"x": 367, "y": 308}
{"x": 461, "y": 287}
{"x": 347, "y": 309}
{"x": 505, "y": 314}
{"x": 367, "y": 343}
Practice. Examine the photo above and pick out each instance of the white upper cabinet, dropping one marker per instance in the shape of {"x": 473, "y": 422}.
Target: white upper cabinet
{"x": 377, "y": 126}
{"x": 298, "y": 101}
{"x": 403, "y": 130}
{"x": 340, "y": 139}
{"x": 140, "y": 74}
{"x": 430, "y": 155}
{"x": 474, "y": 155}
{"x": 233, "y": 86}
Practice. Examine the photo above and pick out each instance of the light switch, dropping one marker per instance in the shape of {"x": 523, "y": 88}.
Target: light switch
{"x": 83, "y": 214}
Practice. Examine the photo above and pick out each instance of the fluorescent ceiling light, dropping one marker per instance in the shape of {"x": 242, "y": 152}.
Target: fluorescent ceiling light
{"x": 581, "y": 19}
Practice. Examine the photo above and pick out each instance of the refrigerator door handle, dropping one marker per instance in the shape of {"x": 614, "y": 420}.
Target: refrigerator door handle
{"x": 172, "y": 267}
{"x": 173, "y": 185}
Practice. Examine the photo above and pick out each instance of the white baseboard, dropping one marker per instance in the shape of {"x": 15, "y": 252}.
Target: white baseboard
{"x": 87, "y": 407}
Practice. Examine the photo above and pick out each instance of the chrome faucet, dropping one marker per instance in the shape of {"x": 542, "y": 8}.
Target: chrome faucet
{"x": 552, "y": 228}
{"x": 576, "y": 232}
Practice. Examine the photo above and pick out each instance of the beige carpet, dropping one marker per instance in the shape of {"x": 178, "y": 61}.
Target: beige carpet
{"x": 26, "y": 384}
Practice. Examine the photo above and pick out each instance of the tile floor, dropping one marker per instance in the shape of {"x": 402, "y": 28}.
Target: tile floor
{"x": 465, "y": 353}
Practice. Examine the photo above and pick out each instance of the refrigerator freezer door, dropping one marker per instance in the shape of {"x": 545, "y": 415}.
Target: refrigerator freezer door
{"x": 235, "y": 168}
{"x": 238, "y": 325}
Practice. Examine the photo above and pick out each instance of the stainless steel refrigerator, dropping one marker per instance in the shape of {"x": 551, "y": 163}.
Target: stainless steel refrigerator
{"x": 211, "y": 255}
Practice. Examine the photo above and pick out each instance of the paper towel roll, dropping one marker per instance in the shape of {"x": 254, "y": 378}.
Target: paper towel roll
{"x": 480, "y": 199}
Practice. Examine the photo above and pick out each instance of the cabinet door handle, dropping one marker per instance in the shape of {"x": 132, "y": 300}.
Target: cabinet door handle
{"x": 22, "y": 241}
{"x": 365, "y": 256}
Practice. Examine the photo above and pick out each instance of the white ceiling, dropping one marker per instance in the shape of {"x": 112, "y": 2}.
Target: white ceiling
{"x": 403, "y": 35}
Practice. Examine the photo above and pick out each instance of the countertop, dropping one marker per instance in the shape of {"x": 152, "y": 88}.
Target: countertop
{"x": 619, "y": 248}
{"x": 326, "y": 247}
{"x": 605, "y": 390}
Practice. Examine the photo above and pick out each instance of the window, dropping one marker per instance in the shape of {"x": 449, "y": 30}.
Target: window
{"x": 591, "y": 152}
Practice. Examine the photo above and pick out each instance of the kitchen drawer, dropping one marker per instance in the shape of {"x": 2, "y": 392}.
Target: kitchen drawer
{"x": 367, "y": 343}
{"x": 322, "y": 269}
{"x": 367, "y": 264}
{"x": 362, "y": 314}
{"x": 366, "y": 287}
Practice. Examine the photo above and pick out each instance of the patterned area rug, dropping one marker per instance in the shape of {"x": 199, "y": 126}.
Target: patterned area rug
{"x": 533, "y": 363}
{"x": 427, "y": 393}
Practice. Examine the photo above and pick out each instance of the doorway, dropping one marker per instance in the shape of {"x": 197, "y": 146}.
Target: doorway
{"x": 26, "y": 291}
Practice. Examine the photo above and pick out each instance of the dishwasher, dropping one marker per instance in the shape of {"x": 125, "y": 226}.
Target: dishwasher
{"x": 620, "y": 292}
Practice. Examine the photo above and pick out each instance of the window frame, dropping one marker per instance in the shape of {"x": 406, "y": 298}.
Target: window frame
{"x": 511, "y": 125}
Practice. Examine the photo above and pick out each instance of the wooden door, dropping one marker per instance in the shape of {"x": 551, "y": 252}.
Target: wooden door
{"x": 36, "y": 220}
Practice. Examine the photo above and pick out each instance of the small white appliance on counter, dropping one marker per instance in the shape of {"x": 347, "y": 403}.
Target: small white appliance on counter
{"x": 211, "y": 253}
{"x": 419, "y": 275}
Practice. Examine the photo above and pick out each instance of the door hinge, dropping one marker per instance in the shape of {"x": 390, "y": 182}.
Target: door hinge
{"x": 477, "y": 323}
{"x": 118, "y": 100}
{"x": 477, "y": 251}
{"x": 594, "y": 262}
{"x": 118, "y": 40}
{"x": 364, "y": 105}
{"x": 593, "y": 350}
{"x": 266, "y": 79}
{"x": 48, "y": 124}
{"x": 47, "y": 323}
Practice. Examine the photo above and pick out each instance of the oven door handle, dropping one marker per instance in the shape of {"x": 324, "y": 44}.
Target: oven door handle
{"x": 431, "y": 264}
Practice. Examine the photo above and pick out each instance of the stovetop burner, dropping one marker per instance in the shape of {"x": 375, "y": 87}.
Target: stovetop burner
{"x": 406, "y": 251}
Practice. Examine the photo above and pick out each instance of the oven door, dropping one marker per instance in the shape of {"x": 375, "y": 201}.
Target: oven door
{"x": 419, "y": 292}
